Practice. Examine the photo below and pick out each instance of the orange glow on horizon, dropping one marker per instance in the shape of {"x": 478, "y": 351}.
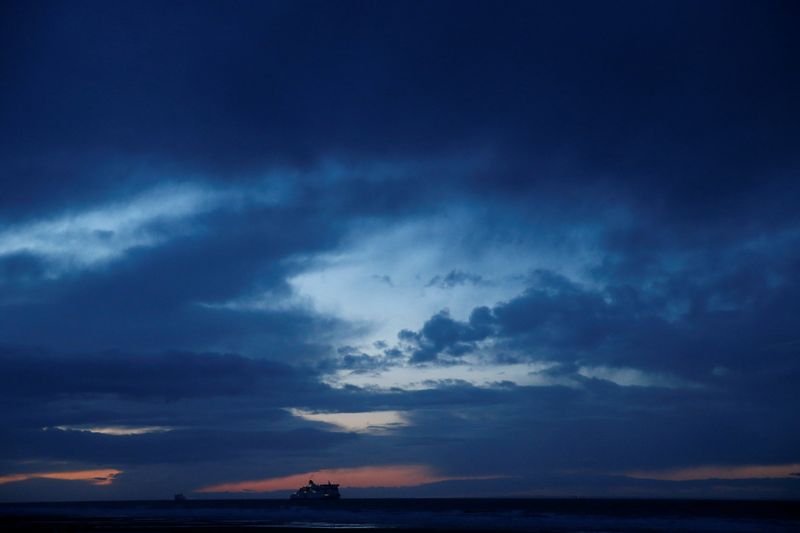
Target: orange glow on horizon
{"x": 390, "y": 476}
{"x": 95, "y": 477}
{"x": 698, "y": 473}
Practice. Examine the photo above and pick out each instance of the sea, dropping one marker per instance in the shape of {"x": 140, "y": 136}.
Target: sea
{"x": 402, "y": 515}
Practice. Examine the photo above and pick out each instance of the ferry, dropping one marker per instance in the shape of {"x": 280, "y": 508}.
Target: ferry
{"x": 313, "y": 491}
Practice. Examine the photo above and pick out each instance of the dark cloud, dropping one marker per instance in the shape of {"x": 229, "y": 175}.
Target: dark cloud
{"x": 167, "y": 376}
{"x": 175, "y": 296}
{"x": 203, "y": 406}
{"x": 738, "y": 375}
{"x": 20, "y": 270}
{"x": 383, "y": 279}
{"x": 441, "y": 335}
{"x": 732, "y": 318}
{"x": 609, "y": 97}
{"x": 353, "y": 359}
{"x": 455, "y": 278}
{"x": 169, "y": 447}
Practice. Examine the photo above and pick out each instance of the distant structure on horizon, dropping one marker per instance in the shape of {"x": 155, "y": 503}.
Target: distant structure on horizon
{"x": 312, "y": 491}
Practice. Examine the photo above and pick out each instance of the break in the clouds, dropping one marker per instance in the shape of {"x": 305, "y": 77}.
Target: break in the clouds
{"x": 104, "y": 232}
{"x": 496, "y": 250}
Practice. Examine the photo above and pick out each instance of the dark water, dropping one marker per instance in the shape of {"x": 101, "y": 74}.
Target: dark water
{"x": 536, "y": 515}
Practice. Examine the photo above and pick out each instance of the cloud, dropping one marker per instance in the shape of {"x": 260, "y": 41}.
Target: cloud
{"x": 441, "y": 335}
{"x": 455, "y": 278}
{"x": 104, "y": 233}
{"x": 383, "y": 279}
{"x": 375, "y": 422}
{"x": 356, "y": 477}
{"x": 631, "y": 377}
{"x": 115, "y": 430}
{"x": 413, "y": 249}
{"x": 607, "y": 328}
{"x": 414, "y": 376}
{"x": 592, "y": 250}
{"x": 185, "y": 446}
{"x": 170, "y": 375}
{"x": 95, "y": 477}
{"x": 718, "y": 472}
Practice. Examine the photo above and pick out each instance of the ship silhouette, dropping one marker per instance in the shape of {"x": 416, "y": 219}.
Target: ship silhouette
{"x": 313, "y": 491}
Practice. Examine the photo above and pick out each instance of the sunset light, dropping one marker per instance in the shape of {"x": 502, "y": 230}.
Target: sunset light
{"x": 359, "y": 477}
{"x": 720, "y": 472}
{"x": 95, "y": 477}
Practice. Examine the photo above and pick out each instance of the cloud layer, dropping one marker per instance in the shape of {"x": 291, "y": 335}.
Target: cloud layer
{"x": 548, "y": 248}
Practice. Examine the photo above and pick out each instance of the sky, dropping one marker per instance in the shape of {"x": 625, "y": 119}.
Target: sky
{"x": 415, "y": 248}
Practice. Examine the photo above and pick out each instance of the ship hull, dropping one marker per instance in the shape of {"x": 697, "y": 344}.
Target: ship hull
{"x": 315, "y": 497}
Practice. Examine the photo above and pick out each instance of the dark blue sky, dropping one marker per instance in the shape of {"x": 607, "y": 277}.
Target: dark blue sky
{"x": 440, "y": 248}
